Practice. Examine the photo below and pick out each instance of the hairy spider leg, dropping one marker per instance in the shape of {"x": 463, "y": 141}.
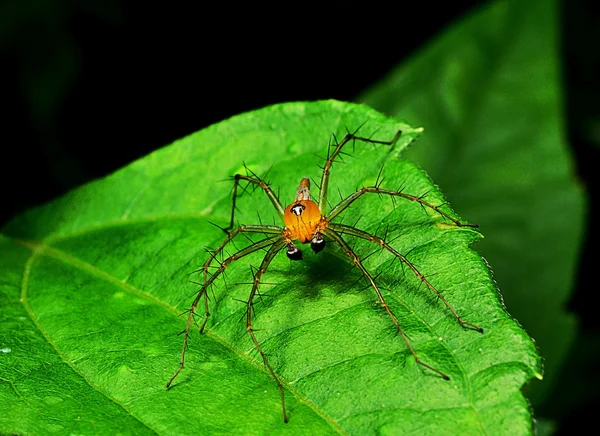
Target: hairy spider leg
{"x": 331, "y": 157}
{"x": 266, "y": 188}
{"x": 265, "y": 229}
{"x": 357, "y": 262}
{"x": 344, "y": 229}
{"x": 259, "y": 245}
{"x": 274, "y": 230}
{"x": 275, "y": 248}
{"x": 343, "y": 205}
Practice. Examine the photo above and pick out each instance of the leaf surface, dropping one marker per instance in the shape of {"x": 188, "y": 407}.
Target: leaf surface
{"x": 93, "y": 285}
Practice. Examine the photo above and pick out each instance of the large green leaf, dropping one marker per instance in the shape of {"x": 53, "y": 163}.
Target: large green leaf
{"x": 93, "y": 283}
{"x": 487, "y": 92}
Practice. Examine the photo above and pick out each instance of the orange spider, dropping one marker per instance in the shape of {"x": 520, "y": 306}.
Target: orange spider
{"x": 309, "y": 222}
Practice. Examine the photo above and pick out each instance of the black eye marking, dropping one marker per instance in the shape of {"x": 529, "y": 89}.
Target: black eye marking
{"x": 297, "y": 209}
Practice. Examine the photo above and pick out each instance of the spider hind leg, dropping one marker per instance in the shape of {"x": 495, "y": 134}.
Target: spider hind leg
{"x": 358, "y": 263}
{"x": 341, "y": 228}
{"x": 209, "y": 280}
{"x": 275, "y": 248}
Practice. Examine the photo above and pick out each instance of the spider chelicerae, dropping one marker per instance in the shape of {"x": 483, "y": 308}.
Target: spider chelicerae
{"x": 310, "y": 223}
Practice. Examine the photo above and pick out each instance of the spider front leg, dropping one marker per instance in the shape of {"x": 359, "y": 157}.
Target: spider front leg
{"x": 331, "y": 157}
{"x": 348, "y": 230}
{"x": 277, "y": 246}
{"x": 265, "y": 229}
{"x": 343, "y": 205}
{"x": 259, "y": 182}
{"x": 356, "y": 260}
{"x": 274, "y": 230}
{"x": 259, "y": 245}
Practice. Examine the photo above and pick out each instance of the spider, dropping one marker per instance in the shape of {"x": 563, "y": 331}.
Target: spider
{"x": 309, "y": 222}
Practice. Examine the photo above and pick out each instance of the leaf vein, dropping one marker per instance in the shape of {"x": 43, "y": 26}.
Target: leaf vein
{"x": 36, "y": 251}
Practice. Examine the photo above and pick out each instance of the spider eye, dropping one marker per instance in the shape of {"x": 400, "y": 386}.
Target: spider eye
{"x": 297, "y": 209}
{"x": 318, "y": 243}
{"x": 293, "y": 253}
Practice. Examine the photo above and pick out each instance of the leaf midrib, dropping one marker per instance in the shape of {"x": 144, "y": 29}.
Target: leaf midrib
{"x": 36, "y": 251}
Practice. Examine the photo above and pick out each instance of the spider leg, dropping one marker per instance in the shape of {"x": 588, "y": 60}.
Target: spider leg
{"x": 259, "y": 245}
{"x": 275, "y": 248}
{"x": 331, "y": 157}
{"x": 343, "y": 205}
{"x": 264, "y": 185}
{"x": 341, "y": 228}
{"x": 356, "y": 260}
{"x": 230, "y": 235}
{"x": 274, "y": 230}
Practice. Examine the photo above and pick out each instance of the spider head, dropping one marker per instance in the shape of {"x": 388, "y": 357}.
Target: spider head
{"x": 317, "y": 243}
{"x": 293, "y": 252}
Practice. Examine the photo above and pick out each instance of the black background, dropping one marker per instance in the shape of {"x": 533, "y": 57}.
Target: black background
{"x": 89, "y": 86}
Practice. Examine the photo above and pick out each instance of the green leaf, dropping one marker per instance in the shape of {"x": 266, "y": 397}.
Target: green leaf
{"x": 93, "y": 285}
{"x": 487, "y": 92}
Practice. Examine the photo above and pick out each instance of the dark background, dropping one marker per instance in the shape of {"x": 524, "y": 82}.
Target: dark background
{"x": 89, "y": 86}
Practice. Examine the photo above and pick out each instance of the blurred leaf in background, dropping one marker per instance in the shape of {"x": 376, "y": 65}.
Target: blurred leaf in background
{"x": 488, "y": 93}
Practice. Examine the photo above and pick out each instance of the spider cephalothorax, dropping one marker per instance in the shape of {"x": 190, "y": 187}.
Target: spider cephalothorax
{"x": 308, "y": 221}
